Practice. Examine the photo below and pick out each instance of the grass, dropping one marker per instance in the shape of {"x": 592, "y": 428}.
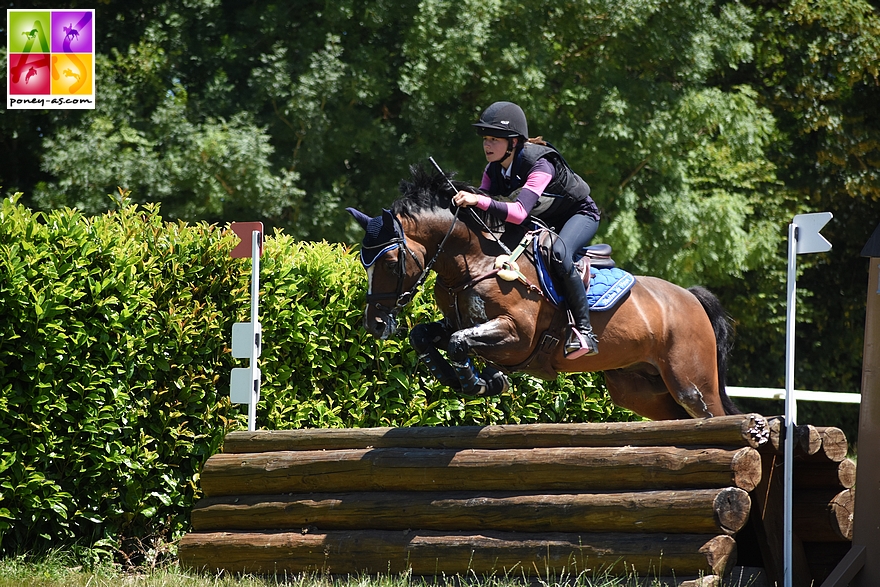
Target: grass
{"x": 60, "y": 569}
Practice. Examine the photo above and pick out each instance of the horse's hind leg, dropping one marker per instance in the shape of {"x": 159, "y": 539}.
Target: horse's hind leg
{"x": 643, "y": 393}
{"x": 691, "y": 376}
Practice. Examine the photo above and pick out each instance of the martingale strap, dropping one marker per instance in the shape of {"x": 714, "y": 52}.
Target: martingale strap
{"x": 507, "y": 267}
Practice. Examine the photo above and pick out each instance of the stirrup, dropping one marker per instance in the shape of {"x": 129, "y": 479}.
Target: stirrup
{"x": 581, "y": 344}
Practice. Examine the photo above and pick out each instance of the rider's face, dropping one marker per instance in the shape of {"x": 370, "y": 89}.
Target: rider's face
{"x": 495, "y": 148}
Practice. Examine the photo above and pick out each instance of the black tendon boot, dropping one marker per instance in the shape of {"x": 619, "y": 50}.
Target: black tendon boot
{"x": 471, "y": 383}
{"x": 424, "y": 338}
{"x": 582, "y": 341}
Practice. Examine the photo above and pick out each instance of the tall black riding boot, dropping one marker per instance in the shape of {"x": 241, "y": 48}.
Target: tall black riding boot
{"x": 582, "y": 340}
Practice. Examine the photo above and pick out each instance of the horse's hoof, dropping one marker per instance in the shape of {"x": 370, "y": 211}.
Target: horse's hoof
{"x": 496, "y": 383}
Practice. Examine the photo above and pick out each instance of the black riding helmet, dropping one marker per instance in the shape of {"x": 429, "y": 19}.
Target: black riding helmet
{"x": 504, "y": 120}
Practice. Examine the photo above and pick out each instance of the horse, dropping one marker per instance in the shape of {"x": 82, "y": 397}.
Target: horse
{"x": 70, "y": 32}
{"x": 663, "y": 348}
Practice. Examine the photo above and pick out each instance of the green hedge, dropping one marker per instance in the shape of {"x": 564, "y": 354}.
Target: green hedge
{"x": 114, "y": 369}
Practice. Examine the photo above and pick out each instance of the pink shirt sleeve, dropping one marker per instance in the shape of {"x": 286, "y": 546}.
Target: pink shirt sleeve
{"x": 516, "y": 212}
{"x": 486, "y": 183}
{"x": 537, "y": 181}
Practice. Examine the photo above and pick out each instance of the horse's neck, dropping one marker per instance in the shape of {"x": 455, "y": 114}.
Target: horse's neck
{"x": 461, "y": 257}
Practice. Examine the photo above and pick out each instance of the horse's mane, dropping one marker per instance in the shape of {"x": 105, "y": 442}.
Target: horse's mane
{"x": 431, "y": 190}
{"x": 424, "y": 192}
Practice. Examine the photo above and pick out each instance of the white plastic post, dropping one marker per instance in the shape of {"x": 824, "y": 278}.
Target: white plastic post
{"x": 244, "y": 385}
{"x": 255, "y": 304}
{"x": 803, "y": 237}
{"x": 790, "y": 405}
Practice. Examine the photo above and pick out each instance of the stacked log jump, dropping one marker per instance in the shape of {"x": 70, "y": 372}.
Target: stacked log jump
{"x": 650, "y": 498}
{"x": 822, "y": 509}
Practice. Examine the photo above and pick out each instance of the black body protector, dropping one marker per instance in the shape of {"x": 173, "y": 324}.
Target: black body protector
{"x": 563, "y": 197}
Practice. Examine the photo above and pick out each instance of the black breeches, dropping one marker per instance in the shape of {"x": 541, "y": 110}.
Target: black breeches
{"x": 577, "y": 233}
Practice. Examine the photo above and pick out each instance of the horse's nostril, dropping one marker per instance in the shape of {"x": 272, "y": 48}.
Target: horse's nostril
{"x": 374, "y": 325}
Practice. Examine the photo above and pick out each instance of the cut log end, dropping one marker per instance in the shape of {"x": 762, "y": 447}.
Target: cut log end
{"x": 746, "y": 468}
{"x": 834, "y": 444}
{"x": 732, "y": 508}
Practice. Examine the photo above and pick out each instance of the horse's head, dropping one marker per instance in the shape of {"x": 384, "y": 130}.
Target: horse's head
{"x": 396, "y": 266}
{"x": 394, "y": 271}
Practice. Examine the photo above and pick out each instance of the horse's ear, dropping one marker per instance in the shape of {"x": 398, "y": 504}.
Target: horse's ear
{"x": 362, "y": 218}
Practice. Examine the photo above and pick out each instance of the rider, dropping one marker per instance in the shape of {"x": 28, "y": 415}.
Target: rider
{"x": 546, "y": 187}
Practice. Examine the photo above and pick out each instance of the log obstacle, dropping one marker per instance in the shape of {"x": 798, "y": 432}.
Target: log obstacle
{"x": 651, "y": 498}
{"x": 823, "y": 503}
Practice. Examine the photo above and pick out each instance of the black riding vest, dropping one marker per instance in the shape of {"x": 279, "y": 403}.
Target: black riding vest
{"x": 566, "y": 195}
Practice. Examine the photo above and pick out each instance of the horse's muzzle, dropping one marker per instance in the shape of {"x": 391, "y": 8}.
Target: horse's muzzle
{"x": 380, "y": 324}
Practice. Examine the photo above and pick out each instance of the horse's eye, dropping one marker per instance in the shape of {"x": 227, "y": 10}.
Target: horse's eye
{"x": 392, "y": 266}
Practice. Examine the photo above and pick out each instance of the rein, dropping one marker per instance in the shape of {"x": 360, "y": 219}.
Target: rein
{"x": 473, "y": 212}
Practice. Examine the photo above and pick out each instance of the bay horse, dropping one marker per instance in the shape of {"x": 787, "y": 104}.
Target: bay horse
{"x": 663, "y": 348}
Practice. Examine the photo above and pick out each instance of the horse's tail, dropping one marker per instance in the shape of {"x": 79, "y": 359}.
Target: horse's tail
{"x": 722, "y": 324}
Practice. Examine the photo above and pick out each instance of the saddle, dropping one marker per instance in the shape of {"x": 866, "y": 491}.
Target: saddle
{"x": 606, "y": 285}
{"x": 604, "y": 282}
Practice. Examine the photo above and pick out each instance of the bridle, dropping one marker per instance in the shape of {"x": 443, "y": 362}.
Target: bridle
{"x": 402, "y": 298}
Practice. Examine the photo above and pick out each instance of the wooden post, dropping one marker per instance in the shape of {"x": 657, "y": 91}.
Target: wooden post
{"x": 861, "y": 566}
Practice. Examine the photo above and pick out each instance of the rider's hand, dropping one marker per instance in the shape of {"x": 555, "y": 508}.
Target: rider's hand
{"x": 465, "y": 199}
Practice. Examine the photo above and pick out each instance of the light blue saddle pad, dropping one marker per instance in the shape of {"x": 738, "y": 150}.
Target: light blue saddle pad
{"x": 607, "y": 286}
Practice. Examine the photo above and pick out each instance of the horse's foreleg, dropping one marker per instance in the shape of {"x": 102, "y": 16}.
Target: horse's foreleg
{"x": 463, "y": 342}
{"x": 461, "y": 376}
{"x": 426, "y": 338}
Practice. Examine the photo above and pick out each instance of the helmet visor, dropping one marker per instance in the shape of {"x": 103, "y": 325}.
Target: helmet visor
{"x": 489, "y": 130}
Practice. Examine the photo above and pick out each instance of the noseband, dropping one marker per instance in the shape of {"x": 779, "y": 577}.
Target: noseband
{"x": 402, "y": 298}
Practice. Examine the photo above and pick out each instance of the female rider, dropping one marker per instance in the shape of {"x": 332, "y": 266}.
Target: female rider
{"x": 547, "y": 188}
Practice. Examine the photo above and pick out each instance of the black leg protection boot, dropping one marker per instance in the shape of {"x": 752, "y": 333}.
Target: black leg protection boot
{"x": 496, "y": 381}
{"x": 582, "y": 340}
{"x": 440, "y": 369}
{"x": 424, "y": 339}
{"x": 471, "y": 383}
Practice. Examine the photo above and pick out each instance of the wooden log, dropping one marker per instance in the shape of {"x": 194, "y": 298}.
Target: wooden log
{"x": 538, "y": 469}
{"x": 432, "y": 553}
{"x": 725, "y": 431}
{"x": 806, "y": 438}
{"x": 823, "y": 515}
{"x": 698, "y": 511}
{"x": 834, "y": 444}
{"x": 818, "y": 474}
